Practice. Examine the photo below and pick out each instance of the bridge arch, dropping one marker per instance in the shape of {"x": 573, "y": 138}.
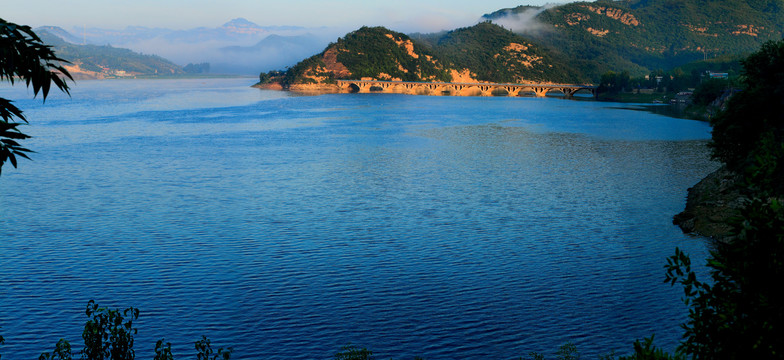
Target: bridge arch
{"x": 462, "y": 89}
{"x": 471, "y": 90}
{"x": 353, "y": 88}
{"x": 500, "y": 91}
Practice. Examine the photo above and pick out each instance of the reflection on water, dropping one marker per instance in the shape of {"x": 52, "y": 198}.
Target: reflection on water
{"x": 671, "y": 110}
{"x": 287, "y": 227}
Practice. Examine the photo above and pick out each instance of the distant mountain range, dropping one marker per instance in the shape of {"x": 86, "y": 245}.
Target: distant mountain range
{"x": 104, "y": 61}
{"x": 235, "y": 31}
{"x": 272, "y": 52}
{"x": 575, "y": 42}
{"x": 236, "y": 47}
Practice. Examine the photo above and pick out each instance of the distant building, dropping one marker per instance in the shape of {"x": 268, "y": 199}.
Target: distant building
{"x": 714, "y": 75}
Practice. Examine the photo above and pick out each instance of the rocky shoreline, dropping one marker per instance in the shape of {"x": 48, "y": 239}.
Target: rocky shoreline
{"x": 711, "y": 204}
{"x": 308, "y": 89}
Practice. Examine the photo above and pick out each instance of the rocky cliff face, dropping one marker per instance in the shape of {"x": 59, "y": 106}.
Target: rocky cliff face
{"x": 711, "y": 204}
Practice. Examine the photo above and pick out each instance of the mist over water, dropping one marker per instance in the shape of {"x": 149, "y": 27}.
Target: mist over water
{"x": 288, "y": 226}
{"x": 237, "y": 47}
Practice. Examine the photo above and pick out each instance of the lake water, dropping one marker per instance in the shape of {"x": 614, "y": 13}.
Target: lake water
{"x": 287, "y": 226}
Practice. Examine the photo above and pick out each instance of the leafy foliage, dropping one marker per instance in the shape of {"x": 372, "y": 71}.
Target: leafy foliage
{"x": 266, "y": 78}
{"x": 351, "y": 352}
{"x": 566, "y": 351}
{"x": 163, "y": 350}
{"x": 709, "y": 90}
{"x": 755, "y": 114}
{"x": 62, "y": 351}
{"x": 204, "y": 351}
{"x": 645, "y": 350}
{"x": 9, "y": 134}
{"x": 24, "y": 57}
{"x": 108, "y": 334}
{"x": 738, "y": 314}
{"x": 613, "y": 83}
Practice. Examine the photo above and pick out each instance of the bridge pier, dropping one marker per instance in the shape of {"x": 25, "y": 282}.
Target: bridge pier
{"x": 568, "y": 92}
{"x": 540, "y": 91}
{"x": 457, "y": 89}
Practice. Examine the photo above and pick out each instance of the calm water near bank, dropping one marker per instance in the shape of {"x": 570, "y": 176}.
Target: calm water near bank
{"x": 287, "y": 226}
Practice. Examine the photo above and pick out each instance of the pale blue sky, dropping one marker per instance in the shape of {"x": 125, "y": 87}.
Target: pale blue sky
{"x": 402, "y": 15}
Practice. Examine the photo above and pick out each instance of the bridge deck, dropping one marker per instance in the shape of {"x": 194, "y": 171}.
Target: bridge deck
{"x": 469, "y": 84}
{"x": 459, "y": 88}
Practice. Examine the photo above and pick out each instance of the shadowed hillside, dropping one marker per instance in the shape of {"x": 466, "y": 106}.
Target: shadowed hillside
{"x": 98, "y": 62}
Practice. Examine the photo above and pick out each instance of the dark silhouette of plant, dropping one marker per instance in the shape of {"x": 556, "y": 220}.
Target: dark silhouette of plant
{"x": 109, "y": 333}
{"x": 709, "y": 90}
{"x": 755, "y": 113}
{"x": 739, "y": 314}
{"x": 62, "y": 351}
{"x": 24, "y": 57}
{"x": 163, "y": 351}
{"x": 566, "y": 351}
{"x": 204, "y": 351}
{"x": 351, "y": 352}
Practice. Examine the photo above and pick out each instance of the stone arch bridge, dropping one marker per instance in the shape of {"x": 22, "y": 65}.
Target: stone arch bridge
{"x": 459, "y": 89}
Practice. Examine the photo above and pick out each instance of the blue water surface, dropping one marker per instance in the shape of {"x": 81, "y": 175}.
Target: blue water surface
{"x": 288, "y": 226}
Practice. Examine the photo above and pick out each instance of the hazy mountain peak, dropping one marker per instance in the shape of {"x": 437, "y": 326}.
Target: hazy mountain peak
{"x": 60, "y": 33}
{"x": 242, "y": 25}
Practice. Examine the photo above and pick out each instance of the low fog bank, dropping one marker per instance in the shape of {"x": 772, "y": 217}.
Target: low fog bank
{"x": 522, "y": 21}
{"x": 273, "y": 52}
{"x": 238, "y": 47}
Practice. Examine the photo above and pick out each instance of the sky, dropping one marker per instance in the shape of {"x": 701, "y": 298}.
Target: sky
{"x": 400, "y": 15}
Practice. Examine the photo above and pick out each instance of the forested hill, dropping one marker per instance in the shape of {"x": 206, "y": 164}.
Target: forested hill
{"x": 481, "y": 53}
{"x": 644, "y": 35}
{"x": 498, "y": 55}
{"x": 98, "y": 62}
{"x": 570, "y": 43}
{"x": 369, "y": 52}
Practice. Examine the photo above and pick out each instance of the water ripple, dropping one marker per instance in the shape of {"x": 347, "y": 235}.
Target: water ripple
{"x": 287, "y": 227}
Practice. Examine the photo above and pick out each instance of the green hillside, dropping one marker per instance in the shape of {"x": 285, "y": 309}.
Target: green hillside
{"x": 644, "y": 35}
{"x": 498, "y": 55}
{"x": 373, "y": 52}
{"x": 369, "y": 52}
{"x": 108, "y": 61}
{"x": 484, "y": 52}
{"x": 570, "y": 43}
